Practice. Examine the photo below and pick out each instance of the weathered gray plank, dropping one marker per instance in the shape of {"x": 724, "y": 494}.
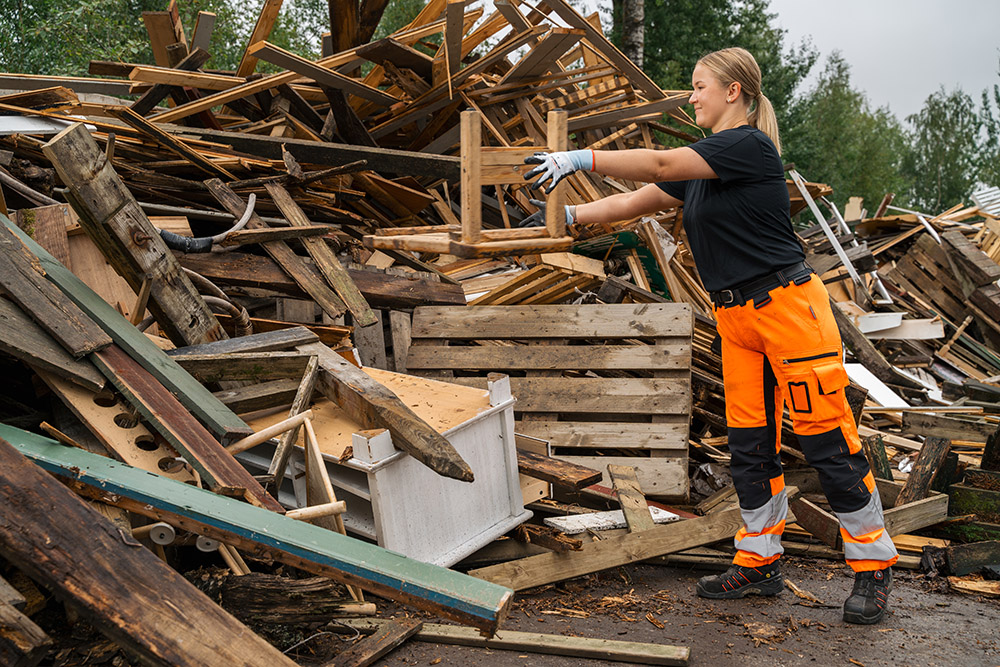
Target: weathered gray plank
{"x": 595, "y": 395}
{"x": 551, "y": 357}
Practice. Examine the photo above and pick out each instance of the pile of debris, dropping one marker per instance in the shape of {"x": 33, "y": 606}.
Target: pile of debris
{"x": 285, "y": 319}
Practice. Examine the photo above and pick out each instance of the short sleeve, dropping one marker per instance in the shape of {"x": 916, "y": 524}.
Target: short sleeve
{"x": 733, "y": 156}
{"x": 676, "y": 189}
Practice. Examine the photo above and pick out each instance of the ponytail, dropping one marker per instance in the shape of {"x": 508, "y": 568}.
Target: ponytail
{"x": 736, "y": 65}
{"x": 762, "y": 117}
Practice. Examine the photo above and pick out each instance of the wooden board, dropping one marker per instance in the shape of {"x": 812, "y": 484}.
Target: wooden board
{"x": 221, "y": 420}
{"x": 120, "y": 587}
{"x": 595, "y": 378}
{"x": 268, "y": 534}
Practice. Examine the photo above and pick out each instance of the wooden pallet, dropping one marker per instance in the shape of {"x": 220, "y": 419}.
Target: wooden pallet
{"x": 607, "y": 383}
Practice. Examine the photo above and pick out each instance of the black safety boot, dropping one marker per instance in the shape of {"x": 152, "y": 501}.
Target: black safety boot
{"x": 869, "y": 598}
{"x": 739, "y": 581}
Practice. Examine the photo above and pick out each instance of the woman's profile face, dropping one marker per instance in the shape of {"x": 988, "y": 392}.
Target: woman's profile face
{"x": 708, "y": 98}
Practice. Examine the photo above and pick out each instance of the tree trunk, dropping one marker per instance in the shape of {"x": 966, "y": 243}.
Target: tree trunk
{"x": 633, "y": 24}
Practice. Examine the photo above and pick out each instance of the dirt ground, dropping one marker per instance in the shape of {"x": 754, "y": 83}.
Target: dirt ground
{"x": 927, "y": 624}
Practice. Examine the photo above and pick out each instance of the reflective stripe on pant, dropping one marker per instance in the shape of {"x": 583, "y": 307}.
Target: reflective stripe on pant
{"x": 789, "y": 352}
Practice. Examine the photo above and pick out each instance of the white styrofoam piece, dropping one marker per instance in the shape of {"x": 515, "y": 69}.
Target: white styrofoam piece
{"x": 870, "y": 322}
{"x": 877, "y": 390}
{"x": 34, "y": 125}
{"x": 579, "y": 523}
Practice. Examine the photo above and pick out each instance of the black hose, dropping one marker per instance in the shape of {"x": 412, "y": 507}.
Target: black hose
{"x": 186, "y": 244}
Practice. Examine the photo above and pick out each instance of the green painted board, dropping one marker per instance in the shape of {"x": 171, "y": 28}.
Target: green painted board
{"x": 219, "y": 419}
{"x": 452, "y": 594}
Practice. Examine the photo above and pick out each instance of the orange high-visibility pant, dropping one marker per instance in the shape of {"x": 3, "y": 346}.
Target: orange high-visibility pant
{"x": 786, "y": 350}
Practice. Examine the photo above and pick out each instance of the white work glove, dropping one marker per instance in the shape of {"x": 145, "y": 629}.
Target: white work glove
{"x": 557, "y": 166}
{"x": 537, "y": 219}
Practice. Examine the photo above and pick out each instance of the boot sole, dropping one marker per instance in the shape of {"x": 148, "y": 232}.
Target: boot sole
{"x": 859, "y": 619}
{"x": 767, "y": 588}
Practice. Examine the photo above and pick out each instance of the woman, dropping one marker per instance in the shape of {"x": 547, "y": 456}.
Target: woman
{"x": 780, "y": 343}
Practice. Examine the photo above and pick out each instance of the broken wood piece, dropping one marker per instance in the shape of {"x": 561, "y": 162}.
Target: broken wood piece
{"x": 546, "y": 536}
{"x": 291, "y": 263}
{"x": 631, "y": 498}
{"x": 326, "y": 261}
{"x": 220, "y": 419}
{"x": 823, "y": 525}
{"x": 119, "y": 587}
{"x": 614, "y": 551}
{"x": 22, "y": 642}
{"x": 317, "y": 511}
{"x": 262, "y": 396}
{"x": 267, "y": 534}
{"x": 266, "y": 434}
{"x": 191, "y": 62}
{"x": 244, "y": 366}
{"x": 26, "y": 285}
{"x": 116, "y": 223}
{"x": 375, "y": 406}
{"x": 251, "y": 236}
{"x": 555, "y": 471}
{"x": 164, "y": 413}
{"x": 925, "y": 468}
{"x": 21, "y": 338}
{"x": 531, "y": 642}
{"x": 303, "y": 397}
{"x": 386, "y": 637}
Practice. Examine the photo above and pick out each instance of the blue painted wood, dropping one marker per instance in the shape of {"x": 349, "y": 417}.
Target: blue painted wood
{"x": 449, "y": 593}
{"x": 219, "y": 419}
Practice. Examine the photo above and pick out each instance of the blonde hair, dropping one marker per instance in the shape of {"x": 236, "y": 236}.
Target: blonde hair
{"x": 736, "y": 65}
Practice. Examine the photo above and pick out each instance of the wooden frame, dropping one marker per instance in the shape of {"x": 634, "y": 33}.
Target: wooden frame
{"x": 481, "y": 166}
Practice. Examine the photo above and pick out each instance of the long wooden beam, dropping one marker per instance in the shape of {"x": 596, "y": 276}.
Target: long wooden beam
{"x": 267, "y": 534}
{"x": 121, "y": 588}
{"x": 375, "y": 406}
{"x": 222, "y": 421}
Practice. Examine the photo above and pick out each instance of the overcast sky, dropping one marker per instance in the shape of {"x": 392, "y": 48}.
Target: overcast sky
{"x": 901, "y": 51}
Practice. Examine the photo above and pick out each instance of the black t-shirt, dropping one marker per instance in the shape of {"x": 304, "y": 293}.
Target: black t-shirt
{"x": 738, "y": 224}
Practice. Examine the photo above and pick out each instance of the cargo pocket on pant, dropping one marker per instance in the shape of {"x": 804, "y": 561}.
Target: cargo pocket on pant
{"x": 813, "y": 387}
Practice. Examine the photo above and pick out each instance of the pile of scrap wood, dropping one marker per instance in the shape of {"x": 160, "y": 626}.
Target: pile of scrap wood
{"x": 286, "y": 318}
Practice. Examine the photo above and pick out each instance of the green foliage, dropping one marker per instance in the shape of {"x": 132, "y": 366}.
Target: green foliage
{"x": 943, "y": 163}
{"x": 990, "y": 114}
{"x": 398, "y": 14}
{"x": 679, "y": 32}
{"x": 833, "y": 136}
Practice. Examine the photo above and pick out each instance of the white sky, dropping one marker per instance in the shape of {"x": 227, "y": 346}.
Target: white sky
{"x": 902, "y": 51}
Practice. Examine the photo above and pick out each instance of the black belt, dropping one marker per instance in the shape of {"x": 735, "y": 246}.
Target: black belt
{"x": 754, "y": 290}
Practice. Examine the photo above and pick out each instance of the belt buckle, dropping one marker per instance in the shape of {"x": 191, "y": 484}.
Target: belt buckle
{"x": 726, "y": 300}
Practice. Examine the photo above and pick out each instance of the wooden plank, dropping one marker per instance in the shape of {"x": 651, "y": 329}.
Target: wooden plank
{"x": 399, "y": 328}
{"x": 822, "y": 524}
{"x": 268, "y": 534}
{"x": 118, "y": 586}
{"x": 317, "y": 72}
{"x": 220, "y": 419}
{"x": 531, "y": 642}
{"x": 201, "y": 36}
{"x": 939, "y": 426}
{"x": 22, "y": 642}
{"x": 375, "y": 406}
{"x": 326, "y": 260}
{"x": 382, "y": 160}
{"x": 244, "y": 366}
{"x": 387, "y": 636}
{"x": 553, "y": 321}
{"x": 471, "y": 194}
{"x": 673, "y": 355}
{"x": 261, "y": 396}
{"x": 664, "y": 478}
{"x": 154, "y": 95}
{"x": 115, "y": 221}
{"x": 561, "y": 473}
{"x": 370, "y": 342}
{"x": 588, "y": 395}
{"x": 380, "y": 290}
{"x": 270, "y": 341}
{"x": 167, "y": 416}
{"x": 916, "y": 515}
{"x": 543, "y": 56}
{"x": 610, "y": 435}
{"x": 168, "y": 141}
{"x": 631, "y": 498}
{"x": 23, "y": 339}
{"x": 925, "y": 468}
{"x": 292, "y": 264}
{"x": 26, "y": 286}
{"x": 398, "y": 54}
{"x": 613, "y": 551}
{"x": 261, "y": 31}
{"x": 160, "y": 28}
{"x": 47, "y": 225}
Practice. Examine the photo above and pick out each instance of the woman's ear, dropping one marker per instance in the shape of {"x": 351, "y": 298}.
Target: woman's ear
{"x": 734, "y": 91}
